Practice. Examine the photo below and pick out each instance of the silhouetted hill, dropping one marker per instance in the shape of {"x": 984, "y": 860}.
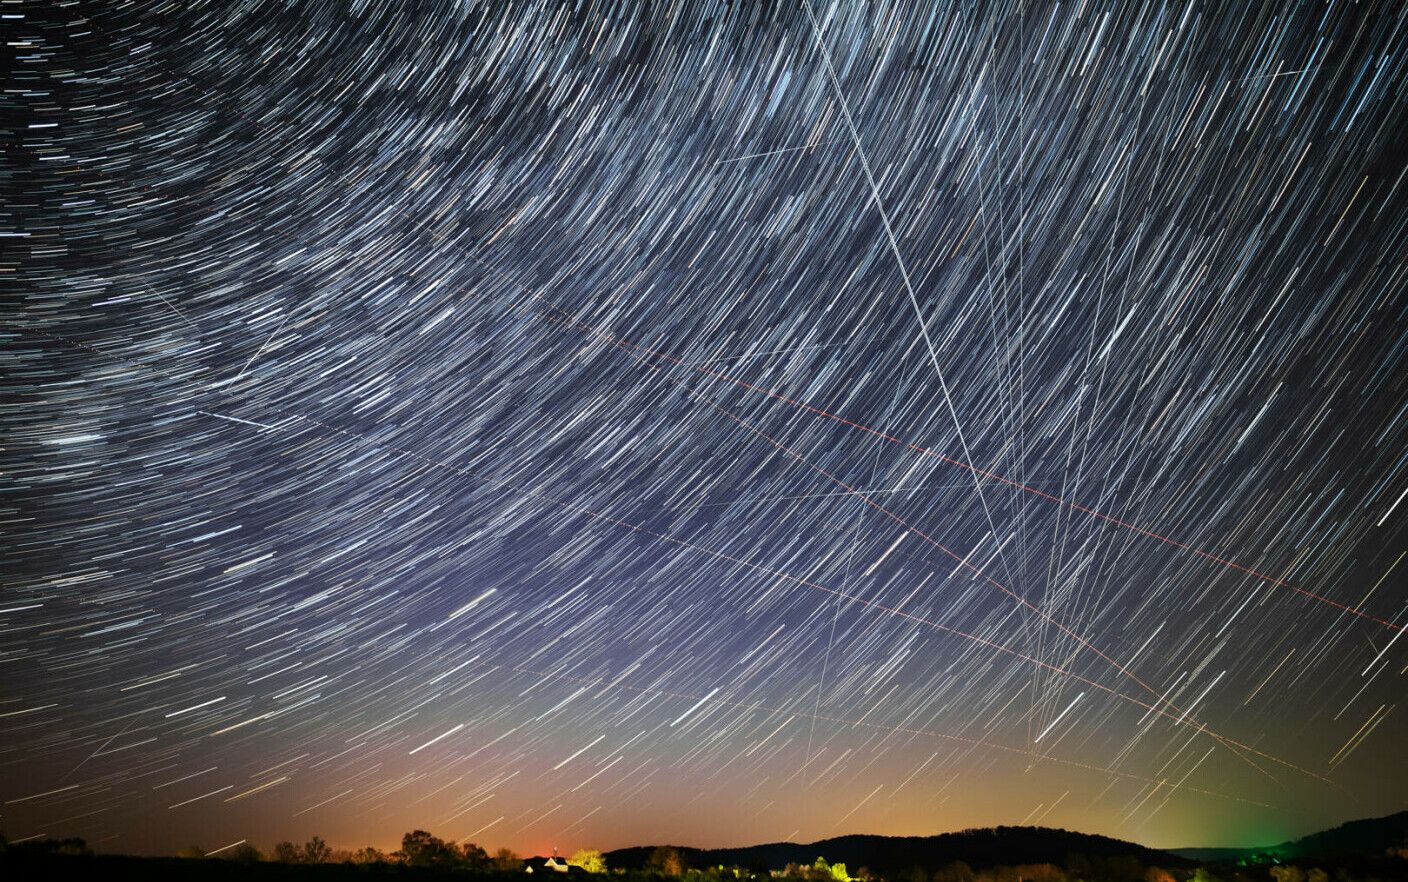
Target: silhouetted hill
{"x": 1369, "y": 836}
{"x": 1366, "y": 836}
{"x": 893, "y": 855}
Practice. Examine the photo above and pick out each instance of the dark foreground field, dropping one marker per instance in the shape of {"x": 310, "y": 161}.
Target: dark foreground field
{"x": 55, "y": 867}
{"x": 1368, "y": 850}
{"x": 18, "y": 865}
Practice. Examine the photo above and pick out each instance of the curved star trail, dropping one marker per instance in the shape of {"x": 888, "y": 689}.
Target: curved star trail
{"x": 611, "y": 424}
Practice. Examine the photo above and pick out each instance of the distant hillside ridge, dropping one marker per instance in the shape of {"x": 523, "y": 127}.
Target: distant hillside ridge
{"x": 1368, "y": 837}
{"x": 893, "y": 855}
{"x": 1365, "y": 836}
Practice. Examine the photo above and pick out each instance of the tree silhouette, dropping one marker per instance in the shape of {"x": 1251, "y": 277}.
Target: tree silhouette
{"x": 369, "y": 855}
{"x": 316, "y": 851}
{"x": 507, "y": 860}
{"x": 420, "y": 849}
{"x": 667, "y": 861}
{"x": 474, "y": 857}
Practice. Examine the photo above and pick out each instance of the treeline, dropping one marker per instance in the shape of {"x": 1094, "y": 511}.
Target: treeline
{"x": 418, "y": 849}
{"x": 423, "y": 853}
{"x": 1078, "y": 869}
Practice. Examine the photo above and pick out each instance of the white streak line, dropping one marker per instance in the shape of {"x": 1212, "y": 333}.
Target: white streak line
{"x": 195, "y": 707}
{"x": 904, "y": 272}
{"x": 696, "y": 707}
{"x": 577, "y": 754}
{"x": 1392, "y": 507}
{"x": 471, "y": 605}
{"x": 438, "y": 737}
{"x": 1058, "y": 717}
{"x": 235, "y": 420}
{"x": 203, "y": 796}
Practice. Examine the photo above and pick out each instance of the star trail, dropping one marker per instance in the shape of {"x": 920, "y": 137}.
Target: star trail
{"x": 597, "y": 424}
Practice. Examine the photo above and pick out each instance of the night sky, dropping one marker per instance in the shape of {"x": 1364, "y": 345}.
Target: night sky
{"x": 606, "y": 423}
